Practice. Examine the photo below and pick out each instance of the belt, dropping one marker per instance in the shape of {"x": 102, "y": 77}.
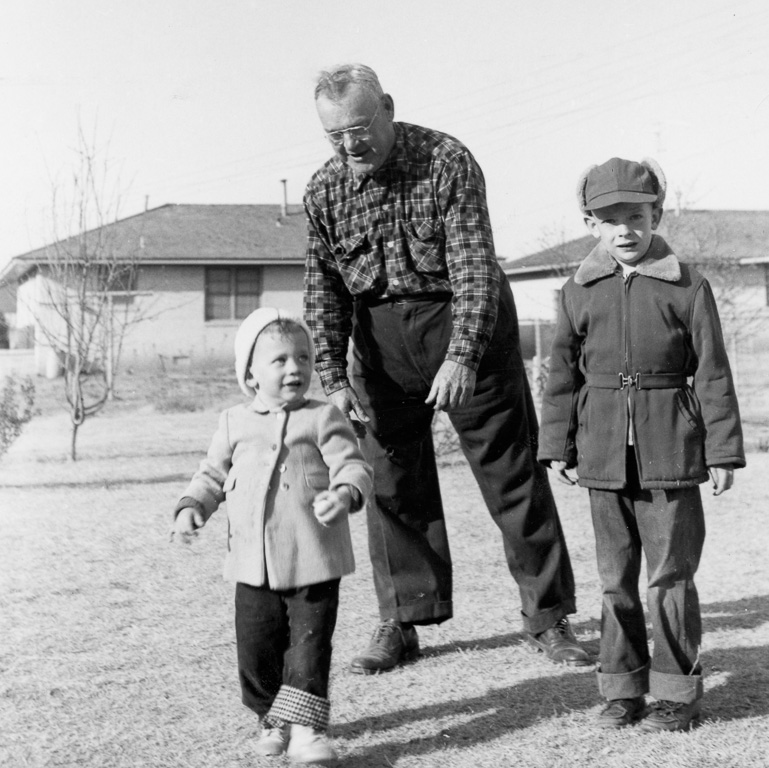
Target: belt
{"x": 639, "y": 381}
{"x": 375, "y": 301}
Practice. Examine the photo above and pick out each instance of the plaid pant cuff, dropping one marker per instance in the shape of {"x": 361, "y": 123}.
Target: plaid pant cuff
{"x": 293, "y": 705}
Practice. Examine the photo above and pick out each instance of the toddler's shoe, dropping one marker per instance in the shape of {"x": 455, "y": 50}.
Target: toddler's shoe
{"x": 310, "y": 746}
{"x": 621, "y": 712}
{"x": 671, "y": 716}
{"x": 272, "y": 741}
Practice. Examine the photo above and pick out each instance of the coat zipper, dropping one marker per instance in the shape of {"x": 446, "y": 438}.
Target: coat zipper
{"x": 630, "y": 432}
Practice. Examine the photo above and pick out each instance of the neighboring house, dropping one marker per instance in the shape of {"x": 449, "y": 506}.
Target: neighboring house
{"x": 731, "y": 248}
{"x": 200, "y": 269}
{"x": 7, "y": 313}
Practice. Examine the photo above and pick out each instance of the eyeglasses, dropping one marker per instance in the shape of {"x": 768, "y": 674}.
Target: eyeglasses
{"x": 356, "y": 132}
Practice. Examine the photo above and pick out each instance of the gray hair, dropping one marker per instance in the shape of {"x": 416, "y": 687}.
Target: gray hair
{"x": 335, "y": 83}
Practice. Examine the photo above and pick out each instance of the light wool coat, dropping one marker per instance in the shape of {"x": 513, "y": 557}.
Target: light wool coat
{"x": 269, "y": 465}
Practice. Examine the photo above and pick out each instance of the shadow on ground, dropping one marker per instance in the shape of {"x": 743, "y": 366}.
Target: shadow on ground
{"x": 488, "y": 717}
{"x": 741, "y": 691}
{"x": 510, "y": 640}
{"x": 111, "y": 483}
{"x": 746, "y": 613}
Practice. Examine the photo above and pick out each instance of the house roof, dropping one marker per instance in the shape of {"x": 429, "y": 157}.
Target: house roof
{"x": 197, "y": 234}
{"x": 698, "y": 237}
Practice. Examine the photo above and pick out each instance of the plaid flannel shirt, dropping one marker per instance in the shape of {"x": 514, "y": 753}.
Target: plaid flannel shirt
{"x": 417, "y": 225}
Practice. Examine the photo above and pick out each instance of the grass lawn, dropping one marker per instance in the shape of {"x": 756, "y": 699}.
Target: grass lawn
{"x": 118, "y": 648}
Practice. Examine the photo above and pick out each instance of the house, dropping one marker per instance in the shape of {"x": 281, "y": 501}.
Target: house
{"x": 731, "y": 248}
{"x": 199, "y": 269}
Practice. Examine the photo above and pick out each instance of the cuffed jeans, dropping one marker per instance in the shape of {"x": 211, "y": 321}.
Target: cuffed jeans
{"x": 668, "y": 527}
{"x": 399, "y": 347}
{"x": 284, "y": 649}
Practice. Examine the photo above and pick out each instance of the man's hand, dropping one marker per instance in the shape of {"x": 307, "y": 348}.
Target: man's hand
{"x": 453, "y": 386}
{"x": 722, "y": 479}
{"x": 559, "y": 467}
{"x": 349, "y": 404}
{"x": 186, "y": 525}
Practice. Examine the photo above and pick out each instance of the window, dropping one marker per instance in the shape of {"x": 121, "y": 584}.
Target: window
{"x": 115, "y": 278}
{"x": 232, "y": 293}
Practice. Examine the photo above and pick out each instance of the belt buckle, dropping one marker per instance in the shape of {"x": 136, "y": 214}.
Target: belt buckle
{"x": 629, "y": 381}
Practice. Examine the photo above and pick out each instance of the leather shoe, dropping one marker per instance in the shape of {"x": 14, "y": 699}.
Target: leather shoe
{"x": 621, "y": 712}
{"x": 671, "y": 716}
{"x": 559, "y": 644}
{"x": 391, "y": 644}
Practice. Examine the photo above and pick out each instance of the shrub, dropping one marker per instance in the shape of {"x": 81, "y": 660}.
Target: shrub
{"x": 17, "y": 399}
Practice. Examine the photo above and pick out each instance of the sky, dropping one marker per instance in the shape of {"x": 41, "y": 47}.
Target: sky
{"x": 210, "y": 101}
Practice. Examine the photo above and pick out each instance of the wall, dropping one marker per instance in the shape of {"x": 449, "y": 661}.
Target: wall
{"x": 535, "y": 298}
{"x": 175, "y": 333}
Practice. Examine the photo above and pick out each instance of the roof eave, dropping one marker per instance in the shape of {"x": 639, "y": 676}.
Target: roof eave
{"x": 558, "y": 268}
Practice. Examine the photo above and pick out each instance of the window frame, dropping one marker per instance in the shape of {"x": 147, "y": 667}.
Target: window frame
{"x": 235, "y": 274}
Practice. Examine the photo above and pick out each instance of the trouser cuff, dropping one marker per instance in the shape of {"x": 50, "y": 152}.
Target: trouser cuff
{"x": 625, "y": 685}
{"x": 433, "y": 613}
{"x": 681, "y": 688}
{"x": 293, "y": 705}
{"x": 543, "y": 620}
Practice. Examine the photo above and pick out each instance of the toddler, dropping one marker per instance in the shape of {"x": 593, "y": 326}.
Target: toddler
{"x": 290, "y": 471}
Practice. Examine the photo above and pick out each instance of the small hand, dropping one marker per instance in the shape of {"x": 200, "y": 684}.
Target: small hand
{"x": 453, "y": 386}
{"x": 349, "y": 404}
{"x": 186, "y": 525}
{"x": 559, "y": 467}
{"x": 722, "y": 479}
{"x": 331, "y": 506}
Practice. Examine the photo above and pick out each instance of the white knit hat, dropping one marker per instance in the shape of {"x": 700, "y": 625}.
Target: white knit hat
{"x": 245, "y": 339}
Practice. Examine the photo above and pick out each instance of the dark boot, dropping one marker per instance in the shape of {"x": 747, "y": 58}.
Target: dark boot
{"x": 671, "y": 716}
{"x": 621, "y": 712}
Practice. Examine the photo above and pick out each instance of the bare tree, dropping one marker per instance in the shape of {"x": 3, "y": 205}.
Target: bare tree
{"x": 87, "y": 280}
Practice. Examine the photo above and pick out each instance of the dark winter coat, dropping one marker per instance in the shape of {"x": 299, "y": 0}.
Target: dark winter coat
{"x": 661, "y": 319}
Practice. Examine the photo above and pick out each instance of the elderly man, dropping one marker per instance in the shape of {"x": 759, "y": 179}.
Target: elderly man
{"x": 401, "y": 260}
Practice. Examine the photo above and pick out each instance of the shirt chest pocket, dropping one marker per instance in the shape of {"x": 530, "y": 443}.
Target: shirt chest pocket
{"x": 426, "y": 245}
{"x": 359, "y": 263}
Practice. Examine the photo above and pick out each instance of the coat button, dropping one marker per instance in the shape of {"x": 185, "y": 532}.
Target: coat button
{"x": 285, "y": 486}
{"x": 274, "y": 447}
{"x": 282, "y": 468}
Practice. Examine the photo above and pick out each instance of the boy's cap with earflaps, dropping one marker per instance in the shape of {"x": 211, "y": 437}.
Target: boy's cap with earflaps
{"x": 621, "y": 181}
{"x": 245, "y": 339}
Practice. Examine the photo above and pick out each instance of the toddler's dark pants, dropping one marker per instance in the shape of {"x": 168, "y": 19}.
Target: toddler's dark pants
{"x": 284, "y": 650}
{"x": 668, "y": 527}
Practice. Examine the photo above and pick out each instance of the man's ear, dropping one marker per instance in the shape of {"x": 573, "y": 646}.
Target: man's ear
{"x": 388, "y": 105}
{"x": 656, "y": 217}
{"x": 592, "y": 227}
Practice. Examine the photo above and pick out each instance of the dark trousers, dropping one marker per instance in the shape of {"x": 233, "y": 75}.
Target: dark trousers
{"x": 668, "y": 527}
{"x": 399, "y": 348}
{"x": 284, "y": 638}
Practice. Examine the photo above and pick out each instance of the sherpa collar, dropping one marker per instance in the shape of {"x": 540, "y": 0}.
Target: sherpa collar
{"x": 660, "y": 262}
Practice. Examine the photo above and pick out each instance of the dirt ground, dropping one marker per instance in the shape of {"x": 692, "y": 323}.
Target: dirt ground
{"x": 118, "y": 648}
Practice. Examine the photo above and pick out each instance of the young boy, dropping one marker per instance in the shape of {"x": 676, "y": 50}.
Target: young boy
{"x": 290, "y": 470}
{"x": 640, "y": 400}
